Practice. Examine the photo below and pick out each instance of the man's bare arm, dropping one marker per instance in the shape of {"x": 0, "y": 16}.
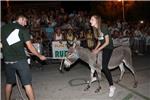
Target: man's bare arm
{"x": 34, "y": 51}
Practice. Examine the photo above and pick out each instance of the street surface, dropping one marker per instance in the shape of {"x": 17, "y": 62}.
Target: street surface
{"x": 50, "y": 84}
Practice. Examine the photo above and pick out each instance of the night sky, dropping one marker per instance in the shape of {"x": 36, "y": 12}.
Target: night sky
{"x": 140, "y": 9}
{"x": 79, "y": 5}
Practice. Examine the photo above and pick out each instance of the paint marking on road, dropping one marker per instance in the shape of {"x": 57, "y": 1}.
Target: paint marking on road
{"x": 77, "y": 82}
{"x": 128, "y": 97}
{"x": 135, "y": 92}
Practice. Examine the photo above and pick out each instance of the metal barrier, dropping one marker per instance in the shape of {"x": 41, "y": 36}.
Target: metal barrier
{"x": 139, "y": 45}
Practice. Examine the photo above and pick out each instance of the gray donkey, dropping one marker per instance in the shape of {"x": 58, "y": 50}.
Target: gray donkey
{"x": 121, "y": 56}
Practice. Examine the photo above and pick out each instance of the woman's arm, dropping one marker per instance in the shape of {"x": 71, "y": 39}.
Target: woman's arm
{"x": 34, "y": 51}
{"x": 99, "y": 48}
{"x": 98, "y": 44}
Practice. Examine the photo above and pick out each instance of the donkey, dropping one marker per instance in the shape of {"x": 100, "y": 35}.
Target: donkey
{"x": 121, "y": 56}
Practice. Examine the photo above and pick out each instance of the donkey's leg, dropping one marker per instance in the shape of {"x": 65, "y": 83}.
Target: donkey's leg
{"x": 98, "y": 74}
{"x": 128, "y": 65}
{"x": 92, "y": 77}
{"x": 122, "y": 69}
{"x": 90, "y": 81}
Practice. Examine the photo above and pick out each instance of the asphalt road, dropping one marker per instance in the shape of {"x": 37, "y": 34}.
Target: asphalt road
{"x": 50, "y": 84}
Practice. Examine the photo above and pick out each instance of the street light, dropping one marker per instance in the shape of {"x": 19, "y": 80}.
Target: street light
{"x": 7, "y": 1}
{"x": 123, "y": 11}
{"x": 8, "y": 6}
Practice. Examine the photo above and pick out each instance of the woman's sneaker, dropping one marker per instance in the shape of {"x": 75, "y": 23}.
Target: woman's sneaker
{"x": 112, "y": 91}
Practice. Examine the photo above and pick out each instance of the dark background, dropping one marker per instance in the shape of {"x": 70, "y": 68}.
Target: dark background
{"x": 134, "y": 10}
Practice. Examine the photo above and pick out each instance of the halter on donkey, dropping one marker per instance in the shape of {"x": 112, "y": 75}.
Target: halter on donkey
{"x": 120, "y": 56}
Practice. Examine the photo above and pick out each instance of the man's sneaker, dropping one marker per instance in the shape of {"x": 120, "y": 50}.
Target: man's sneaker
{"x": 112, "y": 91}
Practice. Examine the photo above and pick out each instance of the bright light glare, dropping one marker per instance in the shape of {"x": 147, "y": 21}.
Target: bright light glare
{"x": 141, "y": 21}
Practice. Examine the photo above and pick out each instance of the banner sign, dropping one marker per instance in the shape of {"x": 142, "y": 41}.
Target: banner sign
{"x": 59, "y": 49}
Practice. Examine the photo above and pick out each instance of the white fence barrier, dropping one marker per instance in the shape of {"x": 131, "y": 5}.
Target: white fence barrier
{"x": 59, "y": 49}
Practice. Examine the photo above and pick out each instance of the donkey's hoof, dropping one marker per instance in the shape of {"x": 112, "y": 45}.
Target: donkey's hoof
{"x": 87, "y": 82}
{"x": 61, "y": 71}
{"x": 97, "y": 90}
{"x": 67, "y": 69}
{"x": 135, "y": 85}
{"x": 87, "y": 88}
{"x": 93, "y": 79}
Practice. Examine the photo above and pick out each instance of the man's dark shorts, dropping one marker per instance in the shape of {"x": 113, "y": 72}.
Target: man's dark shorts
{"x": 23, "y": 70}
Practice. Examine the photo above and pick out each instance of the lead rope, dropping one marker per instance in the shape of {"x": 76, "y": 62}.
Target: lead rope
{"x": 61, "y": 64}
{"x": 19, "y": 88}
{"x": 96, "y": 59}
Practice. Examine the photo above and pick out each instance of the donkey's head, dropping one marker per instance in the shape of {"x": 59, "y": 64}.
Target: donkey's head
{"x": 72, "y": 56}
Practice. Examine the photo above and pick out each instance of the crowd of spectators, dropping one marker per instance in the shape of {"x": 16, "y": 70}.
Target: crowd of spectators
{"x": 50, "y": 25}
